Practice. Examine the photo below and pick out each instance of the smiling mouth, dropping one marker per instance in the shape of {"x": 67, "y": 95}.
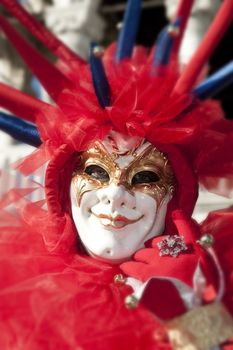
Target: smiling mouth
{"x": 117, "y": 222}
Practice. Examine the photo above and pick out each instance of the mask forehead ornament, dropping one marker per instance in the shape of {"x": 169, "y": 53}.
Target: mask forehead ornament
{"x": 111, "y": 184}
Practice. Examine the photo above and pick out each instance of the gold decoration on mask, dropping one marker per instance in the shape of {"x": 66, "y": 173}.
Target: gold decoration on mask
{"x": 95, "y": 155}
{"x": 155, "y": 161}
{"x": 150, "y": 160}
{"x": 201, "y": 328}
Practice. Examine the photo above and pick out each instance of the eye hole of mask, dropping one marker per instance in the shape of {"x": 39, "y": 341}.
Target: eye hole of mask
{"x": 97, "y": 173}
{"x": 145, "y": 177}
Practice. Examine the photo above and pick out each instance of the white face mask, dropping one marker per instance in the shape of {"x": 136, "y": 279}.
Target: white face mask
{"x": 119, "y": 196}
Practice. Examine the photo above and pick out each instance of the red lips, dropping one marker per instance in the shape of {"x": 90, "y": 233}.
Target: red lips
{"x": 118, "y": 221}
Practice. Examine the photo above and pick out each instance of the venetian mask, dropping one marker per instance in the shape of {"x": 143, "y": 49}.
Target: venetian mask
{"x": 119, "y": 196}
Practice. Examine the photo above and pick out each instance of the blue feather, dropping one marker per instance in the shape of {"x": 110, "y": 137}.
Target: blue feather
{"x": 215, "y": 83}
{"x": 99, "y": 78}
{"x": 20, "y": 130}
{"x": 127, "y": 36}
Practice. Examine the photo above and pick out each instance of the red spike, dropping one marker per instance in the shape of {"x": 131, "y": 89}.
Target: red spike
{"x": 50, "y": 41}
{"x": 20, "y": 104}
{"x": 206, "y": 48}
{"x": 50, "y": 77}
{"x": 183, "y": 13}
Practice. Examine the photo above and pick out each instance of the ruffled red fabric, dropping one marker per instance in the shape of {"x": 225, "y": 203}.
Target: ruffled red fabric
{"x": 64, "y": 301}
{"x": 54, "y": 296}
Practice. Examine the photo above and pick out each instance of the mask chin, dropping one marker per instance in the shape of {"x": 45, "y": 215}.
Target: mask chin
{"x": 110, "y": 260}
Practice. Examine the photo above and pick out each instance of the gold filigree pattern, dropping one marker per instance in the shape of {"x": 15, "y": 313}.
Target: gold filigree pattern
{"x": 151, "y": 160}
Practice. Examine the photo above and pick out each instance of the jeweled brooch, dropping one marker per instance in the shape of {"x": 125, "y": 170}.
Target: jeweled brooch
{"x": 172, "y": 245}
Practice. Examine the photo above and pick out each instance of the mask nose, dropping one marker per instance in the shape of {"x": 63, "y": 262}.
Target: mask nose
{"x": 116, "y": 197}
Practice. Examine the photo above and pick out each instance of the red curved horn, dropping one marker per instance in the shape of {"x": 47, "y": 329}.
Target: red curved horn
{"x": 206, "y": 48}
{"x": 20, "y": 104}
{"x": 50, "y": 77}
{"x": 57, "y": 47}
{"x": 183, "y": 13}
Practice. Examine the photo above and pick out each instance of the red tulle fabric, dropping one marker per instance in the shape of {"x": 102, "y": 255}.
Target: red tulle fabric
{"x": 65, "y": 301}
{"x": 53, "y": 296}
{"x": 58, "y": 299}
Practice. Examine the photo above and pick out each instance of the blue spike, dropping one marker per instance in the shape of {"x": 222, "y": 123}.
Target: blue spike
{"x": 215, "y": 83}
{"x": 99, "y": 78}
{"x": 129, "y": 30}
{"x": 164, "y": 44}
{"x": 20, "y": 130}
{"x": 159, "y": 46}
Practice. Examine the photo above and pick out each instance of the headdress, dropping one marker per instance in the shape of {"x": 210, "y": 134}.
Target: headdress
{"x": 129, "y": 89}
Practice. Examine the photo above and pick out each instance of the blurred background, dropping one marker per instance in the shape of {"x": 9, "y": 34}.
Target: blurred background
{"x": 78, "y": 22}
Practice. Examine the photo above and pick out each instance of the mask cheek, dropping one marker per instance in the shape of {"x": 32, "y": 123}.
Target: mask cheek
{"x": 82, "y": 184}
{"x": 88, "y": 201}
{"x": 159, "y": 225}
{"x": 157, "y": 191}
{"x": 83, "y": 200}
{"x": 81, "y": 211}
{"x": 148, "y": 209}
